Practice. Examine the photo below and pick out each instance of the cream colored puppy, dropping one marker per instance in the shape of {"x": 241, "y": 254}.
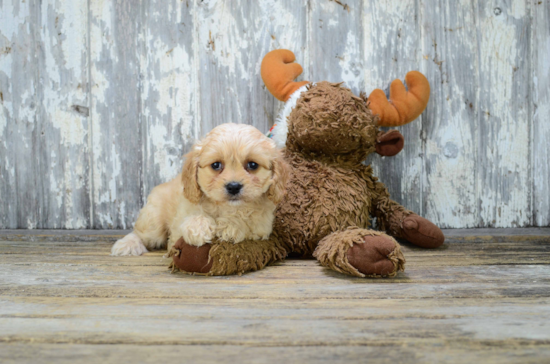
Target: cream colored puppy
{"x": 228, "y": 189}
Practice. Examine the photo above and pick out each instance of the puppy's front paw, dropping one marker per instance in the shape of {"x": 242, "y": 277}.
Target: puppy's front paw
{"x": 131, "y": 244}
{"x": 197, "y": 230}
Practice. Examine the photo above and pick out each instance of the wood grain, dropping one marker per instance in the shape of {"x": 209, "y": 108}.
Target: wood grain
{"x": 44, "y": 115}
{"x": 410, "y": 352}
{"x": 99, "y": 100}
{"x": 335, "y": 43}
{"x": 504, "y": 126}
{"x": 392, "y": 47}
{"x": 19, "y": 116}
{"x": 240, "y": 322}
{"x": 476, "y": 299}
{"x": 116, "y": 136}
{"x": 169, "y": 108}
{"x": 233, "y": 37}
{"x": 62, "y": 149}
{"x": 540, "y": 109}
{"x": 450, "y": 131}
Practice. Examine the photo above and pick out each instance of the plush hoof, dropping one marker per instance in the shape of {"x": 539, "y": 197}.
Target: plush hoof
{"x": 190, "y": 258}
{"x": 378, "y": 256}
{"x": 422, "y": 232}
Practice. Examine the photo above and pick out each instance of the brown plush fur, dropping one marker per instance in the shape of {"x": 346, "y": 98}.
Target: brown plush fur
{"x": 329, "y": 122}
{"x": 330, "y": 189}
{"x": 332, "y": 252}
{"x": 247, "y": 256}
{"x": 321, "y": 198}
{"x": 330, "y": 195}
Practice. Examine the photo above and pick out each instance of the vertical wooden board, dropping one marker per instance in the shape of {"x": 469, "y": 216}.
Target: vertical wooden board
{"x": 392, "y": 47}
{"x": 287, "y": 29}
{"x": 162, "y": 74}
{"x": 450, "y": 131}
{"x": 233, "y": 37}
{"x": 44, "y": 115}
{"x": 334, "y": 44}
{"x": 169, "y": 94}
{"x": 116, "y": 132}
{"x": 540, "y": 83}
{"x": 62, "y": 142}
{"x": 20, "y": 193}
{"x": 504, "y": 122}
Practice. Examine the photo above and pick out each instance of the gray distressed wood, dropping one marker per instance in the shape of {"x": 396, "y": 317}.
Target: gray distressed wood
{"x": 115, "y": 52}
{"x": 232, "y": 39}
{"x": 44, "y": 123}
{"x": 451, "y": 235}
{"x": 475, "y": 301}
{"x": 99, "y": 100}
{"x": 540, "y": 110}
{"x": 20, "y": 192}
{"x": 169, "y": 101}
{"x": 63, "y": 119}
{"x": 457, "y": 352}
{"x": 393, "y": 48}
{"x": 503, "y": 174}
{"x": 279, "y": 323}
{"x": 450, "y": 131}
{"x": 335, "y": 43}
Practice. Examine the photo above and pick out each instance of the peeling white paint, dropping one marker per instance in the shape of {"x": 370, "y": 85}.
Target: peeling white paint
{"x": 390, "y": 47}
{"x": 452, "y": 198}
{"x": 4, "y": 107}
{"x": 449, "y": 184}
{"x": 351, "y": 73}
{"x": 285, "y": 24}
{"x": 229, "y": 45}
{"x": 168, "y": 93}
{"x": 197, "y": 64}
{"x": 55, "y": 188}
{"x": 519, "y": 9}
{"x": 13, "y": 14}
{"x": 63, "y": 83}
{"x": 503, "y": 194}
{"x": 540, "y": 107}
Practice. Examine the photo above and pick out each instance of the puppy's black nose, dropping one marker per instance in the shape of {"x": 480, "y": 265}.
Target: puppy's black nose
{"x": 233, "y": 188}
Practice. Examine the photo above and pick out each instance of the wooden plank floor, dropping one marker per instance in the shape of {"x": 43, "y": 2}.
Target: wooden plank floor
{"x": 484, "y": 296}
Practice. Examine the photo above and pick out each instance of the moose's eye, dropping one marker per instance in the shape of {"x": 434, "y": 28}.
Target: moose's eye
{"x": 252, "y": 166}
{"x": 216, "y": 166}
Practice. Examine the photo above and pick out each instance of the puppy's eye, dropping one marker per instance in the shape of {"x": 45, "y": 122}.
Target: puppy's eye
{"x": 216, "y": 166}
{"x": 252, "y": 166}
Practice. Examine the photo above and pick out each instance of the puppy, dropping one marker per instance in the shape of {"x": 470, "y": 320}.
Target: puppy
{"x": 228, "y": 189}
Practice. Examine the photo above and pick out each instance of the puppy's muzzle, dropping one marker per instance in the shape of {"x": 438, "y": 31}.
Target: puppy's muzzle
{"x": 233, "y": 188}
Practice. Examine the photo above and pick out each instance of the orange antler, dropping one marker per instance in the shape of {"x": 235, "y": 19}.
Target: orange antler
{"x": 403, "y": 106}
{"x": 278, "y": 72}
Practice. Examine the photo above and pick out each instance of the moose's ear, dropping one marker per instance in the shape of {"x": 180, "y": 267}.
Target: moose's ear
{"x": 390, "y": 143}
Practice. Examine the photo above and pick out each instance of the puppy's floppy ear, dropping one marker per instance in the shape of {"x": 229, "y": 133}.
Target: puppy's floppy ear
{"x": 191, "y": 189}
{"x": 281, "y": 174}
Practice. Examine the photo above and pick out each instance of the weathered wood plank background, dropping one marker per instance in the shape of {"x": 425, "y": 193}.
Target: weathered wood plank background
{"x": 100, "y": 99}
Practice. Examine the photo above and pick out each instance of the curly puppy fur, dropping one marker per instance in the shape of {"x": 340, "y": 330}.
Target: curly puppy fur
{"x": 330, "y": 133}
{"x": 331, "y": 195}
{"x": 198, "y": 204}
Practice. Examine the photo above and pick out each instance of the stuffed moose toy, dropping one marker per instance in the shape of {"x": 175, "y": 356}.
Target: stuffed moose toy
{"x": 331, "y": 197}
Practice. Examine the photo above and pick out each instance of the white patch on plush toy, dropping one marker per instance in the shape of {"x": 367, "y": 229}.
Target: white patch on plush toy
{"x": 279, "y": 131}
